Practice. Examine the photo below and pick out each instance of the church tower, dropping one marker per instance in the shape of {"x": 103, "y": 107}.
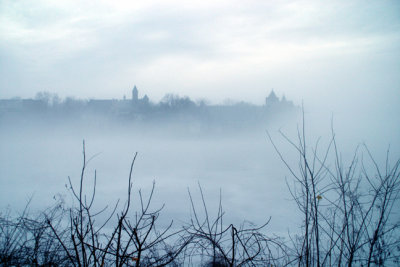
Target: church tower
{"x": 135, "y": 94}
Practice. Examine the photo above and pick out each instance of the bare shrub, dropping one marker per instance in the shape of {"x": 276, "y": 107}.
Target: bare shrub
{"x": 127, "y": 242}
{"x": 216, "y": 243}
{"x": 26, "y": 239}
{"x": 348, "y": 215}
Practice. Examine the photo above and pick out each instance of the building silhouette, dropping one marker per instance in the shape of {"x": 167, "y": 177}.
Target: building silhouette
{"x": 135, "y": 95}
{"x": 271, "y": 99}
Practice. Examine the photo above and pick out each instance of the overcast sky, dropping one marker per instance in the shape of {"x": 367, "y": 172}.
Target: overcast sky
{"x": 329, "y": 53}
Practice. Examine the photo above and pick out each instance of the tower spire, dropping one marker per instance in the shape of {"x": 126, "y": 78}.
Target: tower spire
{"x": 135, "y": 94}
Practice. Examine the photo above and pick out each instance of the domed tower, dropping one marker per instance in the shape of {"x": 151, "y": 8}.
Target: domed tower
{"x": 272, "y": 99}
{"x": 135, "y": 94}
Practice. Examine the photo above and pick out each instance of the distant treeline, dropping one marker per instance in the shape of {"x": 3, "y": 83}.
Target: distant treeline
{"x": 172, "y": 107}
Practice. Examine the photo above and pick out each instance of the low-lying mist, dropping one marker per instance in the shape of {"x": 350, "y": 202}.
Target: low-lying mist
{"x": 37, "y": 157}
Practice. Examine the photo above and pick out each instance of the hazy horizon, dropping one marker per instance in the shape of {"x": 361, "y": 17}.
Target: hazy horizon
{"x": 335, "y": 55}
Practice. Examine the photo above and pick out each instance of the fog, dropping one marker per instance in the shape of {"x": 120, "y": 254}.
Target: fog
{"x": 209, "y": 94}
{"x": 38, "y": 154}
{"x": 37, "y": 158}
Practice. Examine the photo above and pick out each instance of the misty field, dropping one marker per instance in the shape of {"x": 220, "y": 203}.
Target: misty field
{"x": 239, "y": 198}
{"x": 239, "y": 164}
